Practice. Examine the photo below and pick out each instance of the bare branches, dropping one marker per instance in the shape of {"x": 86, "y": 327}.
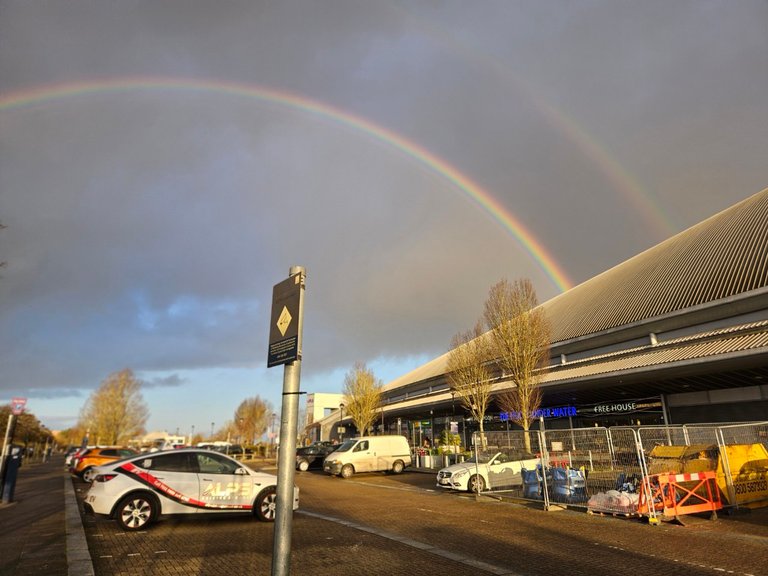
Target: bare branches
{"x": 512, "y": 341}
{"x": 362, "y": 396}
{"x": 252, "y": 418}
{"x": 468, "y": 371}
{"x": 116, "y": 412}
{"x": 520, "y": 336}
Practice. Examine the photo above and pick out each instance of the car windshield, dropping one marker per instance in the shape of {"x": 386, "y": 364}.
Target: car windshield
{"x": 481, "y": 457}
{"x": 346, "y": 446}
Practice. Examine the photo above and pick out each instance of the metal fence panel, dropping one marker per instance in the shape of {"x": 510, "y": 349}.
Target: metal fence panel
{"x": 738, "y": 452}
{"x": 746, "y": 433}
{"x": 652, "y": 436}
{"x": 743, "y": 468}
{"x": 572, "y": 456}
{"x": 589, "y": 467}
{"x": 606, "y": 469}
{"x": 615, "y": 486}
{"x": 705, "y": 434}
{"x": 502, "y": 458}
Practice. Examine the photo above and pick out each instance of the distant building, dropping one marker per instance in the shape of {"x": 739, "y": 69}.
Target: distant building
{"x": 161, "y": 440}
{"x": 319, "y": 406}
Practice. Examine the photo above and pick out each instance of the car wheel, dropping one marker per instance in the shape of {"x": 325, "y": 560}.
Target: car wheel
{"x": 88, "y": 474}
{"x": 303, "y": 465}
{"x": 265, "y": 507}
{"x": 347, "y": 470}
{"x": 475, "y": 484}
{"x": 398, "y": 467}
{"x": 137, "y": 511}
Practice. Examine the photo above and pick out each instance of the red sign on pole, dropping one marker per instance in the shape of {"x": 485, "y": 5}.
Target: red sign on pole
{"x": 17, "y": 405}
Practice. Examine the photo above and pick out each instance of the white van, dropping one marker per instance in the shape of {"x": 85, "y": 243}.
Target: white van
{"x": 369, "y": 454}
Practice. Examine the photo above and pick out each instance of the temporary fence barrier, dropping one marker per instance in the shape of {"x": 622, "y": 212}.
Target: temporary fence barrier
{"x": 562, "y": 467}
{"x": 500, "y": 457}
{"x": 619, "y": 470}
{"x": 675, "y": 495}
{"x": 737, "y": 451}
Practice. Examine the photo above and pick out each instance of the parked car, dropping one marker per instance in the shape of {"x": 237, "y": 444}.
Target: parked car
{"x": 485, "y": 470}
{"x": 369, "y": 454}
{"x": 84, "y": 464}
{"x": 69, "y": 454}
{"x": 312, "y": 456}
{"x": 231, "y": 450}
{"x": 138, "y": 490}
{"x": 71, "y": 461}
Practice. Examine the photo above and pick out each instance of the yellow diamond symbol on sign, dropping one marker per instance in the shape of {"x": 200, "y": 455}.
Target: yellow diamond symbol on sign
{"x": 284, "y": 321}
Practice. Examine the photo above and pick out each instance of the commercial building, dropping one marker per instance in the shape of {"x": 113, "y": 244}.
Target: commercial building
{"x": 319, "y": 406}
{"x": 676, "y": 334}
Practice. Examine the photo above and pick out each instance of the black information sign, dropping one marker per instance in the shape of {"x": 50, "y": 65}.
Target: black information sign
{"x": 284, "y": 344}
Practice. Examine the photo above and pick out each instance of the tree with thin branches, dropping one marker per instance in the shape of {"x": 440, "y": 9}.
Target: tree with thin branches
{"x": 362, "y": 396}
{"x": 520, "y": 341}
{"x": 115, "y": 413}
{"x": 469, "y": 374}
{"x": 252, "y": 418}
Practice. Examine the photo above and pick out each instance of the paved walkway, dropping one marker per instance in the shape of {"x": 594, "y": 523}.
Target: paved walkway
{"x": 41, "y": 533}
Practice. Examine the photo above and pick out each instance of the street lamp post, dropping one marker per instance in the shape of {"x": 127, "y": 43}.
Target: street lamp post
{"x": 212, "y": 425}
{"x": 341, "y": 421}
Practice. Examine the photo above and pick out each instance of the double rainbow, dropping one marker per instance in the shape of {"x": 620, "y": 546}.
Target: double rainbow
{"x": 481, "y": 197}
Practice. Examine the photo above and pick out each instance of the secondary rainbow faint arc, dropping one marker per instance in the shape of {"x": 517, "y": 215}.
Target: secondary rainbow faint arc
{"x": 480, "y": 196}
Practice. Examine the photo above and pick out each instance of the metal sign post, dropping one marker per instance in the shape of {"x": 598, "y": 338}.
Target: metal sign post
{"x": 285, "y": 348}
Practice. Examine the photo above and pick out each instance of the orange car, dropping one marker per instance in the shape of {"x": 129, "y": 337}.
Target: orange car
{"x": 86, "y": 462}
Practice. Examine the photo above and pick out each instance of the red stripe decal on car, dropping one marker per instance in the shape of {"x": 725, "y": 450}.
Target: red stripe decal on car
{"x": 162, "y": 488}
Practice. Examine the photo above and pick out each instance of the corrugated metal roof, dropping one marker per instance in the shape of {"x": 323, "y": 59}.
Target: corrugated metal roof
{"x": 716, "y": 343}
{"x": 723, "y": 256}
{"x": 720, "y": 258}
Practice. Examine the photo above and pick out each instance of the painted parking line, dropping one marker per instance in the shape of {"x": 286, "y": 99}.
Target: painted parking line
{"x": 473, "y": 562}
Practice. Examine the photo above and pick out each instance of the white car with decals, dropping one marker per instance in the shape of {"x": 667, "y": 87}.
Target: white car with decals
{"x": 137, "y": 490}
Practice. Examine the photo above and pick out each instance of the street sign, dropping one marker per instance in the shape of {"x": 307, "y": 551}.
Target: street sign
{"x": 284, "y": 332}
{"x": 17, "y": 405}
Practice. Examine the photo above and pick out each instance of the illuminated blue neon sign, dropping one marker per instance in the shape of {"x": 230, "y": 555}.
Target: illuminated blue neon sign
{"x": 542, "y": 413}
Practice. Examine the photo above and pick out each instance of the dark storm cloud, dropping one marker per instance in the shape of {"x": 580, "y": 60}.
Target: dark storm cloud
{"x": 172, "y": 381}
{"x": 146, "y": 227}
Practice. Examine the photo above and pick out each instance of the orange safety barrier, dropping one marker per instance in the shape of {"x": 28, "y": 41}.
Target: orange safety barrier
{"x": 670, "y": 497}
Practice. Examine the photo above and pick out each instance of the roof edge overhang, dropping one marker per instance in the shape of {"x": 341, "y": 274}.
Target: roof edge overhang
{"x": 740, "y": 304}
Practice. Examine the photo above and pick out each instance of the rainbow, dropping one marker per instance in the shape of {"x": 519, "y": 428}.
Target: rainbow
{"x": 620, "y": 179}
{"x": 482, "y": 198}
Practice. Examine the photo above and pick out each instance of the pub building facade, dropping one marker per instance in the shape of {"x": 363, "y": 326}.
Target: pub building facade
{"x": 677, "y": 334}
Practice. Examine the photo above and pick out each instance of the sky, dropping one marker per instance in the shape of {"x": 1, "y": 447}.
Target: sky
{"x": 164, "y": 164}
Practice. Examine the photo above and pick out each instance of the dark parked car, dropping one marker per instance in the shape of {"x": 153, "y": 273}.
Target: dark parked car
{"x": 232, "y": 450}
{"x": 312, "y": 456}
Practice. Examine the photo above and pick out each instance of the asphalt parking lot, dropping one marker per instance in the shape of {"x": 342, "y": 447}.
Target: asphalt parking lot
{"x": 386, "y": 524}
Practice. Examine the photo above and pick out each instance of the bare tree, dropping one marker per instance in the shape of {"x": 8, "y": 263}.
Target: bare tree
{"x": 469, "y": 374}
{"x": 520, "y": 342}
{"x": 116, "y": 412}
{"x": 362, "y": 396}
{"x": 252, "y": 418}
